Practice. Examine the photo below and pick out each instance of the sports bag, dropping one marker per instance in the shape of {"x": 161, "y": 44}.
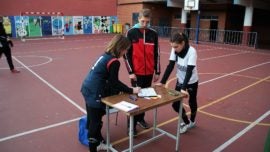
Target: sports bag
{"x": 83, "y": 131}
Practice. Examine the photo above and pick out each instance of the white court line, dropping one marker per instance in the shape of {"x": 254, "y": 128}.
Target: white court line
{"x": 38, "y": 129}
{"x": 199, "y": 50}
{"x": 34, "y": 65}
{"x": 249, "y": 127}
{"x": 234, "y": 72}
{"x": 51, "y": 86}
{"x": 57, "y": 50}
{"x": 222, "y": 56}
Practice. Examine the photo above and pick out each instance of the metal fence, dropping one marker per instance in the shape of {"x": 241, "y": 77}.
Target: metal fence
{"x": 214, "y": 36}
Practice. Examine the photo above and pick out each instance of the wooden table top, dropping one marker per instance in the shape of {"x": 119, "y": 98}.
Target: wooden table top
{"x": 144, "y": 104}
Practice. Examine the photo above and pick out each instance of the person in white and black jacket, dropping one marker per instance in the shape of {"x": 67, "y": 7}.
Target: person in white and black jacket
{"x": 185, "y": 58}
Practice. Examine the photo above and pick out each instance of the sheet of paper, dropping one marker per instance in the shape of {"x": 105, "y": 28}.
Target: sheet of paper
{"x": 125, "y": 106}
{"x": 147, "y": 92}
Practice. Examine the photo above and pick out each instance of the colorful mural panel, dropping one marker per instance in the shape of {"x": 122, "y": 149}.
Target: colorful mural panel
{"x": 57, "y": 25}
{"x": 78, "y": 24}
{"x": 46, "y": 24}
{"x": 87, "y": 24}
{"x": 13, "y": 26}
{"x": 7, "y": 25}
{"x": 105, "y": 24}
{"x": 37, "y": 26}
{"x": 34, "y": 26}
{"x": 68, "y": 25}
{"x": 96, "y": 24}
{"x": 22, "y": 26}
{"x": 113, "y": 20}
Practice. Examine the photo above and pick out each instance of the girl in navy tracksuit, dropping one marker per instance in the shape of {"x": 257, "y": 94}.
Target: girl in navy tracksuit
{"x": 93, "y": 87}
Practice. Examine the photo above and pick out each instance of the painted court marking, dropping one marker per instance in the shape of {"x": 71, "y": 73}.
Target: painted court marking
{"x": 38, "y": 129}
{"x": 222, "y": 56}
{"x": 199, "y": 109}
{"x": 81, "y": 109}
{"x": 51, "y": 86}
{"x": 34, "y": 65}
{"x": 238, "y": 135}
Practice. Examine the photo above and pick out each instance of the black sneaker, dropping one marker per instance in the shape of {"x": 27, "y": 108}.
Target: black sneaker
{"x": 143, "y": 124}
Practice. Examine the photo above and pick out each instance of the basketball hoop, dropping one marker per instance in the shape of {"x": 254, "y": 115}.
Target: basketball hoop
{"x": 191, "y": 5}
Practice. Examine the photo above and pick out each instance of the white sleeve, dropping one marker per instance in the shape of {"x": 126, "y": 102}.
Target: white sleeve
{"x": 193, "y": 56}
{"x": 172, "y": 55}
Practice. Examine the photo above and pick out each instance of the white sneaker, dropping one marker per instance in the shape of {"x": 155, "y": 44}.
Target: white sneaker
{"x": 183, "y": 129}
{"x": 101, "y": 147}
{"x": 191, "y": 124}
{"x": 182, "y": 124}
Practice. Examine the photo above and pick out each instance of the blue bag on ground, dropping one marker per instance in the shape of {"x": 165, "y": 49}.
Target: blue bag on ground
{"x": 83, "y": 131}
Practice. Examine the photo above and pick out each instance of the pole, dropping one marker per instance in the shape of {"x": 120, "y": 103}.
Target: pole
{"x": 197, "y": 27}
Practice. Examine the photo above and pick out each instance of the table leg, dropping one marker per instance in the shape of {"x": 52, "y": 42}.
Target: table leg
{"x": 155, "y": 122}
{"x": 178, "y": 127}
{"x": 108, "y": 128}
{"x": 131, "y": 133}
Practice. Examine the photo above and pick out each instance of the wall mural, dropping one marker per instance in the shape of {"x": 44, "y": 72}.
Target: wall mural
{"x": 87, "y": 24}
{"x": 7, "y": 25}
{"x": 34, "y": 26}
{"x": 68, "y": 25}
{"x": 78, "y": 24}
{"x": 46, "y": 25}
{"x": 57, "y": 25}
{"x": 21, "y": 23}
{"x": 96, "y": 25}
{"x": 105, "y": 24}
{"x": 37, "y": 26}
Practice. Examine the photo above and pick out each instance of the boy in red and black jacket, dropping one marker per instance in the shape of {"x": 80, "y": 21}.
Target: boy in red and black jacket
{"x": 143, "y": 58}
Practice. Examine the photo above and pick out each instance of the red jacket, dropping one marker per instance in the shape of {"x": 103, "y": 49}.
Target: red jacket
{"x": 143, "y": 57}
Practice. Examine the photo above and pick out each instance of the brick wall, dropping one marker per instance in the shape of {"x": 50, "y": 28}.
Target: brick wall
{"x": 68, "y": 7}
{"x": 124, "y": 12}
{"x": 160, "y": 13}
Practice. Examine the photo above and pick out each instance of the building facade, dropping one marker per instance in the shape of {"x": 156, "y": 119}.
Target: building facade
{"x": 234, "y": 15}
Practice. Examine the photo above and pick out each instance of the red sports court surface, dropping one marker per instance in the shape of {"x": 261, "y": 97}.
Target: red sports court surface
{"x": 40, "y": 106}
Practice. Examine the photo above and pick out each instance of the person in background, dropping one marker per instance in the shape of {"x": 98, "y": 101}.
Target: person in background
{"x": 142, "y": 59}
{"x": 185, "y": 58}
{"x": 5, "y": 44}
{"x": 103, "y": 72}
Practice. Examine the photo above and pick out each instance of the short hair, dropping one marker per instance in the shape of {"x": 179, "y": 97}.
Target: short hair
{"x": 145, "y": 13}
{"x": 118, "y": 44}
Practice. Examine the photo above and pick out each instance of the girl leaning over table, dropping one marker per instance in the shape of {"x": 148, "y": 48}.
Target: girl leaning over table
{"x": 93, "y": 88}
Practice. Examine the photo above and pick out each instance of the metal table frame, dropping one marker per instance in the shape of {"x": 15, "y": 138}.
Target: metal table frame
{"x": 155, "y": 129}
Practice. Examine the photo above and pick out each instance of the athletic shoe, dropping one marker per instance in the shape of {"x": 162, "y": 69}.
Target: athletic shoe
{"x": 101, "y": 147}
{"x": 191, "y": 124}
{"x": 15, "y": 71}
{"x": 143, "y": 124}
{"x": 183, "y": 129}
{"x": 182, "y": 124}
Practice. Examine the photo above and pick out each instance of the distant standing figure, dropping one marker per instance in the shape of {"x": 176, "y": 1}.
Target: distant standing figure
{"x": 5, "y": 44}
